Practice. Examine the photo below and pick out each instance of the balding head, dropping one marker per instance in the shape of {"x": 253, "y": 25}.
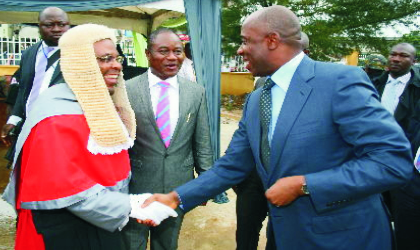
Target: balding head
{"x": 408, "y": 48}
{"x": 270, "y": 38}
{"x": 53, "y": 22}
{"x": 52, "y": 11}
{"x": 401, "y": 58}
{"x": 277, "y": 19}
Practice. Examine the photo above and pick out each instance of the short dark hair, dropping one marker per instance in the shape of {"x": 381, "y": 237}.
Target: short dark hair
{"x": 154, "y": 34}
{"x": 187, "y": 51}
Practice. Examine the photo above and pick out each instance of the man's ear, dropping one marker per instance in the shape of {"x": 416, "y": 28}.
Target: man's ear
{"x": 148, "y": 53}
{"x": 273, "y": 40}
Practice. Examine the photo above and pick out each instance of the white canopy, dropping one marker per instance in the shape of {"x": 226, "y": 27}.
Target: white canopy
{"x": 142, "y": 18}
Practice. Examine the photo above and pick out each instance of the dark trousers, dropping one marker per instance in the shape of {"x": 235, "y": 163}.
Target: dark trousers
{"x": 406, "y": 213}
{"x": 163, "y": 237}
{"x": 62, "y": 230}
{"x": 251, "y": 210}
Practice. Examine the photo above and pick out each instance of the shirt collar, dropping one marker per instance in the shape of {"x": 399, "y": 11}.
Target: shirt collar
{"x": 44, "y": 45}
{"x": 283, "y": 76}
{"x": 154, "y": 80}
{"x": 402, "y": 79}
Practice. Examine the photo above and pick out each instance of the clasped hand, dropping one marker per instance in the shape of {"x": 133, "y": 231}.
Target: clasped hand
{"x": 170, "y": 201}
{"x": 153, "y": 213}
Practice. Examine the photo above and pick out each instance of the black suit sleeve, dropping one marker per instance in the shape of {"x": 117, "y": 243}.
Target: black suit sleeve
{"x": 18, "y": 108}
{"x": 413, "y": 129}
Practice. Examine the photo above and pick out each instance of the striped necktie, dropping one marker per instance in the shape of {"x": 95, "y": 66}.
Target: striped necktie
{"x": 162, "y": 114}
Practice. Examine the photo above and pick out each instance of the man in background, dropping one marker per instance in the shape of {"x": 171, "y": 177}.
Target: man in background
{"x": 187, "y": 69}
{"x": 375, "y": 66}
{"x": 38, "y": 67}
{"x": 172, "y": 137}
{"x": 399, "y": 89}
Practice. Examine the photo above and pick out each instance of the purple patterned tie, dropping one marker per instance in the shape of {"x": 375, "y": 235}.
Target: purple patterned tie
{"x": 417, "y": 165}
{"x": 162, "y": 114}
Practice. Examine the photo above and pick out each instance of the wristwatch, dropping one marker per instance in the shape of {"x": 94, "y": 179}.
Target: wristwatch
{"x": 304, "y": 189}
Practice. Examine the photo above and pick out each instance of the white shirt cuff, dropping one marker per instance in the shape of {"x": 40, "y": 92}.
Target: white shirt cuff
{"x": 14, "y": 120}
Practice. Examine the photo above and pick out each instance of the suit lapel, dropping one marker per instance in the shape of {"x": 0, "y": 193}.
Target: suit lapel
{"x": 183, "y": 107}
{"x": 144, "y": 94}
{"x": 295, "y": 99}
{"x": 404, "y": 101}
{"x": 52, "y": 59}
{"x": 31, "y": 60}
{"x": 403, "y": 104}
{"x": 57, "y": 76}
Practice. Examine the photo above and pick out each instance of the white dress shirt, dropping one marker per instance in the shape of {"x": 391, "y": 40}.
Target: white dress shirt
{"x": 282, "y": 78}
{"x": 399, "y": 87}
{"x": 173, "y": 93}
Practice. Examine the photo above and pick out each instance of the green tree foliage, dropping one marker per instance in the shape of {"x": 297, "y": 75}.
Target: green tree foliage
{"x": 335, "y": 27}
{"x": 414, "y": 39}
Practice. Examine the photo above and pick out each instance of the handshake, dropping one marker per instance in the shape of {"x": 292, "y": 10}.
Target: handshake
{"x": 153, "y": 213}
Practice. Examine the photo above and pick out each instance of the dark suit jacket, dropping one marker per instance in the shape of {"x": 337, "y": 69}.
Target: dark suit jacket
{"x": 411, "y": 109}
{"x": 332, "y": 129}
{"x": 27, "y": 69}
{"x": 408, "y": 99}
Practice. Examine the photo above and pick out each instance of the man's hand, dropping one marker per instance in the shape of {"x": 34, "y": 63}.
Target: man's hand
{"x": 153, "y": 214}
{"x": 285, "y": 190}
{"x": 5, "y": 138}
{"x": 170, "y": 199}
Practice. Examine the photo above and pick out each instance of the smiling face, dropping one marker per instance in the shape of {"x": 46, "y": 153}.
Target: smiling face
{"x": 165, "y": 55}
{"x": 254, "y": 49}
{"x": 401, "y": 58}
{"x": 106, "y": 55}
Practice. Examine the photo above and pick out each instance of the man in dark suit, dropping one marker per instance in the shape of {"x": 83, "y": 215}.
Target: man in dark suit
{"x": 166, "y": 152}
{"x": 38, "y": 65}
{"x": 399, "y": 89}
{"x": 323, "y": 145}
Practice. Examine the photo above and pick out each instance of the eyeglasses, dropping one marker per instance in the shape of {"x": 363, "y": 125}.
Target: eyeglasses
{"x": 109, "y": 58}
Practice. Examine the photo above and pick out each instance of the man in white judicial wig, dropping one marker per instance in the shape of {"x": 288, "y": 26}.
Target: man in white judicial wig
{"x": 71, "y": 169}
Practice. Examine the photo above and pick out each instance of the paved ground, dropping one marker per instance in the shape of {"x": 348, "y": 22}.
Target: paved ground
{"x": 211, "y": 227}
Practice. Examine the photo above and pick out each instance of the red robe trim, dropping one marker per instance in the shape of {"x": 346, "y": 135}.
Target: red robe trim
{"x": 56, "y": 164}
